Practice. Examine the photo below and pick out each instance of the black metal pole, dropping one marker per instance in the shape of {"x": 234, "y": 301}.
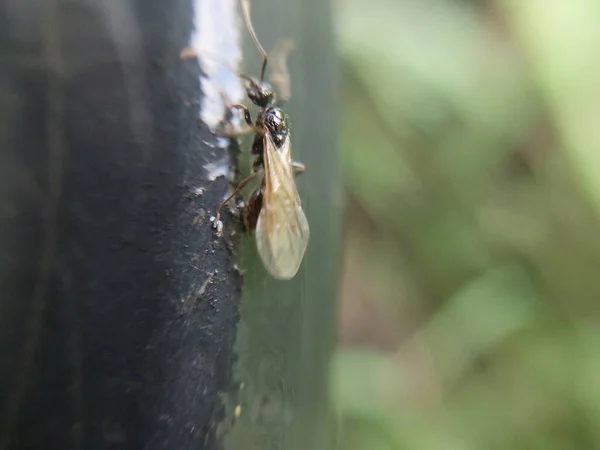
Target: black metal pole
{"x": 117, "y": 307}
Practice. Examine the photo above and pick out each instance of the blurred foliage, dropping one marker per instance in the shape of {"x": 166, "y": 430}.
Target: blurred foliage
{"x": 471, "y": 296}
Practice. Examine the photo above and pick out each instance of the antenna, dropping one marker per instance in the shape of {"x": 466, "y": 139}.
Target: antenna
{"x": 190, "y": 53}
{"x": 246, "y": 10}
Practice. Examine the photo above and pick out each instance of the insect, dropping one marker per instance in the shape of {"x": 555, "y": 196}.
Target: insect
{"x": 274, "y": 210}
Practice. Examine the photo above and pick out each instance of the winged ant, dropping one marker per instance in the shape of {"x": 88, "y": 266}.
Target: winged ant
{"x": 274, "y": 210}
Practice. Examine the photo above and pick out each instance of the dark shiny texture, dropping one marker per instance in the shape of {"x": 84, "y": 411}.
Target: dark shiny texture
{"x": 270, "y": 117}
{"x": 277, "y": 123}
{"x": 260, "y": 93}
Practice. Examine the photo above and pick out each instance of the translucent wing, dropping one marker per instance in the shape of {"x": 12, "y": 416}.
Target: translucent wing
{"x": 282, "y": 229}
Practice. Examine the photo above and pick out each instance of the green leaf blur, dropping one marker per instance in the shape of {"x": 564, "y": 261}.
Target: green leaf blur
{"x": 470, "y": 301}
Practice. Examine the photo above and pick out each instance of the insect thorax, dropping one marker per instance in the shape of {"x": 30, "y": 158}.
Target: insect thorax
{"x": 276, "y": 123}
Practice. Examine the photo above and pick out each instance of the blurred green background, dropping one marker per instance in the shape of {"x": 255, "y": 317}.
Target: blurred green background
{"x": 470, "y": 297}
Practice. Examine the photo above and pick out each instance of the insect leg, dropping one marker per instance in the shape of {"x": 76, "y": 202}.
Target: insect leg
{"x": 247, "y": 116}
{"x": 189, "y": 53}
{"x": 241, "y": 186}
{"x": 246, "y": 10}
{"x": 298, "y": 167}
